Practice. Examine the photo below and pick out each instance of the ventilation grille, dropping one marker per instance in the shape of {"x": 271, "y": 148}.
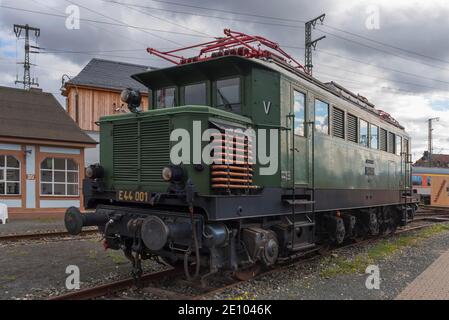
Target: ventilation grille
{"x": 154, "y": 150}
{"x": 352, "y": 128}
{"x": 390, "y": 142}
{"x": 383, "y": 139}
{"x": 338, "y": 123}
{"x": 125, "y": 152}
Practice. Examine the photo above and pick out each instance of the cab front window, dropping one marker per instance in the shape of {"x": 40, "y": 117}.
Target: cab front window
{"x": 228, "y": 94}
{"x": 195, "y": 94}
{"x": 165, "y": 98}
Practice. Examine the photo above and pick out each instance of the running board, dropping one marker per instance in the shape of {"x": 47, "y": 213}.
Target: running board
{"x": 298, "y": 202}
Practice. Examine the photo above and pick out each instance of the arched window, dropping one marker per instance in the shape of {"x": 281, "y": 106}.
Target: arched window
{"x": 9, "y": 175}
{"x": 59, "y": 177}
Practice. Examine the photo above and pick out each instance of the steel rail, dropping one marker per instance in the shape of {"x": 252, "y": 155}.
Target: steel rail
{"x": 41, "y": 235}
{"x": 111, "y": 288}
{"x": 302, "y": 260}
{"x": 115, "y": 287}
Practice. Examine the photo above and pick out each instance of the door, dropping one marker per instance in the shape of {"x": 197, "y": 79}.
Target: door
{"x": 392, "y": 182}
{"x": 299, "y": 149}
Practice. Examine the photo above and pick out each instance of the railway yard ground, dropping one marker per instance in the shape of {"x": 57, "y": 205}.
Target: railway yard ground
{"x": 35, "y": 268}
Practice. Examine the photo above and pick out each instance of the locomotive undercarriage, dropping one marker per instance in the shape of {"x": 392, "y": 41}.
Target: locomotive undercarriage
{"x": 236, "y": 246}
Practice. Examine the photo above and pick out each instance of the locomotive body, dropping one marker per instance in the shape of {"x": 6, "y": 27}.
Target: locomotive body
{"x": 333, "y": 168}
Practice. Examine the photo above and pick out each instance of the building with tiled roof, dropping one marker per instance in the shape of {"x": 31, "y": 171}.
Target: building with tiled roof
{"x": 436, "y": 161}
{"x": 41, "y": 153}
{"x": 95, "y": 92}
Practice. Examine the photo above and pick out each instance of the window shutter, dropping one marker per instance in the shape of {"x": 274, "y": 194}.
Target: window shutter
{"x": 383, "y": 139}
{"x": 338, "y": 123}
{"x": 352, "y": 128}
{"x": 391, "y": 143}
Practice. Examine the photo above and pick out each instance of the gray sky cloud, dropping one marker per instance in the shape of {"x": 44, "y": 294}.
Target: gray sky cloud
{"x": 404, "y": 70}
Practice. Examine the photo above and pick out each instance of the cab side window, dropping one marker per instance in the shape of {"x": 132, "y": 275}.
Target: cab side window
{"x": 321, "y": 116}
{"x": 374, "y": 136}
{"x": 363, "y": 136}
{"x": 398, "y": 148}
{"x": 299, "y": 105}
{"x": 228, "y": 95}
{"x": 165, "y": 98}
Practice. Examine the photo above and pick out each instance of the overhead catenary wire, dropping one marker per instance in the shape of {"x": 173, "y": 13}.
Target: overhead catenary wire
{"x": 119, "y": 21}
{"x": 381, "y": 78}
{"x": 145, "y": 59}
{"x": 405, "y": 57}
{"x": 97, "y": 26}
{"x": 174, "y": 32}
{"x": 204, "y": 15}
{"x": 62, "y": 16}
{"x": 284, "y": 19}
{"x": 160, "y": 18}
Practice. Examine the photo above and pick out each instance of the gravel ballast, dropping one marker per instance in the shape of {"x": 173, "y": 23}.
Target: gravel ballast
{"x": 310, "y": 281}
{"x": 37, "y": 269}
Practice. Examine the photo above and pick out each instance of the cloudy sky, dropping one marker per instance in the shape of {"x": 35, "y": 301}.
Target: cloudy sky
{"x": 396, "y": 53}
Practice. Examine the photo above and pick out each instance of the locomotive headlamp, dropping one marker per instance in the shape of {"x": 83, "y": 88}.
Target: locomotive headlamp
{"x": 133, "y": 98}
{"x": 95, "y": 171}
{"x": 173, "y": 173}
{"x": 166, "y": 174}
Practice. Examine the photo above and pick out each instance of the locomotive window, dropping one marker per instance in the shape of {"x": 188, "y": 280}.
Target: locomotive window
{"x": 429, "y": 181}
{"x": 228, "y": 94}
{"x": 165, "y": 98}
{"x": 321, "y": 116}
{"x": 299, "y": 107}
{"x": 9, "y": 175}
{"x": 363, "y": 140}
{"x": 398, "y": 145}
{"x": 406, "y": 150}
{"x": 195, "y": 94}
{"x": 383, "y": 140}
{"x": 59, "y": 177}
{"x": 353, "y": 128}
{"x": 374, "y": 137}
{"x": 417, "y": 180}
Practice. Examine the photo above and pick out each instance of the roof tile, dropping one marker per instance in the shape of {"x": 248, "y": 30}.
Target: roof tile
{"x": 110, "y": 75}
{"x": 37, "y": 115}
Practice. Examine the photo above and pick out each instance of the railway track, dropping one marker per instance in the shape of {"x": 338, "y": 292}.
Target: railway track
{"x": 112, "y": 288}
{"x": 150, "y": 281}
{"x": 41, "y": 235}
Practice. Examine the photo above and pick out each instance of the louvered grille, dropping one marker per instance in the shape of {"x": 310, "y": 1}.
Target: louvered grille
{"x": 155, "y": 149}
{"x": 352, "y": 128}
{"x": 383, "y": 139}
{"x": 125, "y": 152}
{"x": 232, "y": 169}
{"x": 338, "y": 123}
{"x": 390, "y": 142}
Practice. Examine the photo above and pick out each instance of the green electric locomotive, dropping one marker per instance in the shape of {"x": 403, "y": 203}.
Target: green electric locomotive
{"x": 243, "y": 160}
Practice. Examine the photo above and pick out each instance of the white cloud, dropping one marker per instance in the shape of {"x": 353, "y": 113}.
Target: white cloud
{"x": 419, "y": 26}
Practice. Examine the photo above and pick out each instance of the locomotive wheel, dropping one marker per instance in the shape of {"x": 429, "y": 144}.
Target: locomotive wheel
{"x": 340, "y": 231}
{"x": 391, "y": 226}
{"x": 248, "y": 273}
{"x": 373, "y": 224}
{"x": 387, "y": 221}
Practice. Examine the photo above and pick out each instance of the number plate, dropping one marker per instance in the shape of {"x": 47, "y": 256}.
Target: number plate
{"x": 133, "y": 196}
